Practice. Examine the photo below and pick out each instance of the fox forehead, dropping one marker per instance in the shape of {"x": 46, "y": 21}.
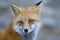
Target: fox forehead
{"x": 28, "y": 13}
{"x": 27, "y": 17}
{"x": 28, "y": 10}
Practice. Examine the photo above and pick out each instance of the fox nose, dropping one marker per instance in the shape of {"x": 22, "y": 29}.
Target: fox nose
{"x": 26, "y": 30}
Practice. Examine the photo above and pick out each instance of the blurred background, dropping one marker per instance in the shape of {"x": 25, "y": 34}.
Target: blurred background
{"x": 49, "y": 12}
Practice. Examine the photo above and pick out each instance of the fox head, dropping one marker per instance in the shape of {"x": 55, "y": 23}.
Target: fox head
{"x": 26, "y": 20}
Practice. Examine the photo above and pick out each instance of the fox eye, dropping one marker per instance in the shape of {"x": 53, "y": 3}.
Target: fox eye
{"x": 20, "y": 23}
{"x": 31, "y": 21}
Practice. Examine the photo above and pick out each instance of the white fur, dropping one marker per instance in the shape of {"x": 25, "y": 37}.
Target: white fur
{"x": 37, "y": 30}
{"x": 18, "y": 29}
{"x": 34, "y": 28}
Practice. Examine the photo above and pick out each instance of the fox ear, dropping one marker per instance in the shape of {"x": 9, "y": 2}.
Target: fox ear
{"x": 15, "y": 9}
{"x": 38, "y": 3}
{"x": 37, "y": 6}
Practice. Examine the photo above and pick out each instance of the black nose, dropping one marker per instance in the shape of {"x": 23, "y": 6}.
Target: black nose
{"x": 25, "y": 30}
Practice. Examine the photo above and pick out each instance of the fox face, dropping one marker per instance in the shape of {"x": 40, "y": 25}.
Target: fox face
{"x": 26, "y": 20}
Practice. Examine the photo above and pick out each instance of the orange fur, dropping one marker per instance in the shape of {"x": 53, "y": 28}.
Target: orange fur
{"x": 9, "y": 34}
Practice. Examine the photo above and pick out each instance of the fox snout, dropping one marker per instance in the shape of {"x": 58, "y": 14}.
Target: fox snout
{"x": 25, "y": 30}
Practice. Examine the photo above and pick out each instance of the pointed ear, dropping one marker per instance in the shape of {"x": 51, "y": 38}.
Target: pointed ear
{"x": 15, "y": 9}
{"x": 38, "y": 3}
{"x": 37, "y": 6}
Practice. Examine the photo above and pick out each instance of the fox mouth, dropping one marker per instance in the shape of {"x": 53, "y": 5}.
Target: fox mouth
{"x": 27, "y": 33}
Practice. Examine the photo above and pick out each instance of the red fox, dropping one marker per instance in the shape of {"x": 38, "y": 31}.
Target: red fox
{"x": 25, "y": 24}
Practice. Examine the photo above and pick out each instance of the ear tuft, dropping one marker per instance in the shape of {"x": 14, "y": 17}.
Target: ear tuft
{"x": 38, "y": 3}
